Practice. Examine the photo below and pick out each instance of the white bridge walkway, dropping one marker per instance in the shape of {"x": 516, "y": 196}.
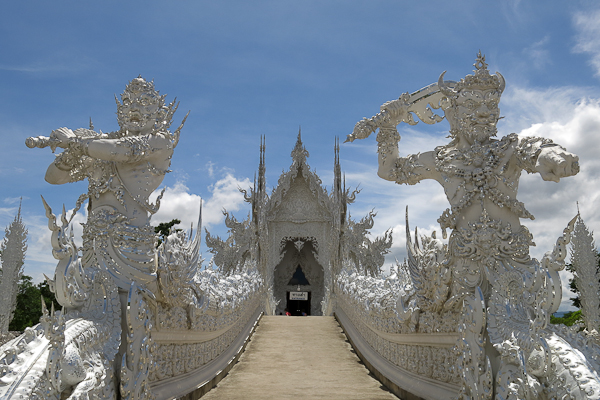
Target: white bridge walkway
{"x": 298, "y": 358}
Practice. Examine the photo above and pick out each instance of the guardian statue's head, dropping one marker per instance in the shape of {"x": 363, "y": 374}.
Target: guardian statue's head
{"x": 471, "y": 105}
{"x": 142, "y": 109}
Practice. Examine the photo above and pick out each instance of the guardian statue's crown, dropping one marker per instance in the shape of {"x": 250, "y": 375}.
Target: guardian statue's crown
{"x": 481, "y": 80}
{"x": 140, "y": 85}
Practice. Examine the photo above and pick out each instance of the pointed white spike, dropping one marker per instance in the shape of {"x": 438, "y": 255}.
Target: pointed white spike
{"x": 63, "y": 216}
{"x": 44, "y": 309}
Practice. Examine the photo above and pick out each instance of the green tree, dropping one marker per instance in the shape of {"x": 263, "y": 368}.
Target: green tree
{"x": 48, "y": 296}
{"x": 29, "y": 303}
{"x": 164, "y": 229}
{"x": 573, "y": 286}
{"x": 574, "y": 300}
{"x": 568, "y": 319}
{"x": 29, "y": 306}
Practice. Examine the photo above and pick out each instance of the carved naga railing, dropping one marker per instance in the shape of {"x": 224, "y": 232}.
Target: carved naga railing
{"x": 181, "y": 338}
{"x": 420, "y": 338}
{"x": 181, "y": 351}
{"x": 407, "y": 361}
{"x": 194, "y": 348}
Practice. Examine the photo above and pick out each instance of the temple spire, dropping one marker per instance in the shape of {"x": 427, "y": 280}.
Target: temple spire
{"x": 257, "y": 199}
{"x": 337, "y": 170}
{"x": 299, "y": 153}
{"x": 262, "y": 168}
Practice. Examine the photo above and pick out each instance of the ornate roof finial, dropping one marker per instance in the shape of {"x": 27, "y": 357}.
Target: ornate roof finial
{"x": 337, "y": 181}
{"x": 480, "y": 63}
{"x": 336, "y": 150}
{"x": 262, "y": 168}
{"x": 299, "y": 153}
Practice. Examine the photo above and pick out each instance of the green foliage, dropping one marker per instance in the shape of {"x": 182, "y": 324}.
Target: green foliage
{"x": 573, "y": 287}
{"x": 164, "y": 229}
{"x": 568, "y": 319}
{"x": 29, "y": 304}
{"x": 574, "y": 300}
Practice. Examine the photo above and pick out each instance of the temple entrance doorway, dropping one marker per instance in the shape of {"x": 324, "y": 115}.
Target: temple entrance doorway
{"x": 299, "y": 278}
{"x": 296, "y": 304}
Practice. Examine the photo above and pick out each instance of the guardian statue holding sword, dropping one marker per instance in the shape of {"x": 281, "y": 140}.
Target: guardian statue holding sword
{"x": 484, "y": 274}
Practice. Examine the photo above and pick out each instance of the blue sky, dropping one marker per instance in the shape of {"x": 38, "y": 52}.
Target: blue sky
{"x": 246, "y": 69}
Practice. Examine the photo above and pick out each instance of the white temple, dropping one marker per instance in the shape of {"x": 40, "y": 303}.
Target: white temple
{"x": 464, "y": 320}
{"x": 299, "y": 236}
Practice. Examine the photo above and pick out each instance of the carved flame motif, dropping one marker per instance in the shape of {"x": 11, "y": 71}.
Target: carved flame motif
{"x": 487, "y": 243}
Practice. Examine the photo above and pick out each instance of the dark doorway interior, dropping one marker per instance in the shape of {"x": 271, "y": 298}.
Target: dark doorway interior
{"x": 295, "y": 307}
{"x": 298, "y": 278}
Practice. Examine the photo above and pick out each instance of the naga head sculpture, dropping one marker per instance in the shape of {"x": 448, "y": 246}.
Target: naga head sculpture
{"x": 142, "y": 109}
{"x": 471, "y": 105}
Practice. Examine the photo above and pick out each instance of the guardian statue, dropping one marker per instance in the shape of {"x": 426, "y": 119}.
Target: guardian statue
{"x": 122, "y": 168}
{"x": 502, "y": 298}
{"x": 109, "y": 284}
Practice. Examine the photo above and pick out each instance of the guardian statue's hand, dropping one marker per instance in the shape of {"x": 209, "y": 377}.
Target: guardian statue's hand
{"x": 555, "y": 162}
{"x": 64, "y": 137}
{"x": 397, "y": 111}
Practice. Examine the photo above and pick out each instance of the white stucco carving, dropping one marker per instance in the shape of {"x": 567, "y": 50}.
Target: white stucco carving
{"x": 586, "y": 274}
{"x": 498, "y": 298}
{"x": 301, "y": 225}
{"x": 366, "y": 255}
{"x": 12, "y": 255}
{"x": 177, "y": 317}
{"x": 370, "y": 303}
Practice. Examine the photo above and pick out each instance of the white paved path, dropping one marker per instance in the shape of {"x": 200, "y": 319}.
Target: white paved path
{"x": 299, "y": 358}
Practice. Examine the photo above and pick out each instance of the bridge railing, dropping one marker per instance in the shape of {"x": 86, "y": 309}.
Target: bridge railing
{"x": 413, "y": 365}
{"x": 194, "y": 348}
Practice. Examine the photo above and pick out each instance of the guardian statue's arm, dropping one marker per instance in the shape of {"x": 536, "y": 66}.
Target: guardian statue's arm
{"x": 125, "y": 149}
{"x": 550, "y": 160}
{"x": 410, "y": 170}
{"x": 77, "y": 160}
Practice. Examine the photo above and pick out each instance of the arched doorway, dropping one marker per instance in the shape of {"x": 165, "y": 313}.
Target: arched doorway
{"x": 298, "y": 302}
{"x": 299, "y": 278}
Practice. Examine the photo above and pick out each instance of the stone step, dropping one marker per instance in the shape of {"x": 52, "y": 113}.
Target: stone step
{"x": 299, "y": 358}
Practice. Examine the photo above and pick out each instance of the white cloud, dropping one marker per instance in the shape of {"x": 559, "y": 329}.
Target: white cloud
{"x": 180, "y": 204}
{"x": 538, "y": 53}
{"x": 575, "y": 124}
{"x": 523, "y": 107}
{"x": 210, "y": 166}
{"x": 587, "y": 25}
{"x": 555, "y": 204}
{"x": 13, "y": 200}
{"x": 225, "y": 196}
{"x": 177, "y": 203}
{"x": 38, "y": 258}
